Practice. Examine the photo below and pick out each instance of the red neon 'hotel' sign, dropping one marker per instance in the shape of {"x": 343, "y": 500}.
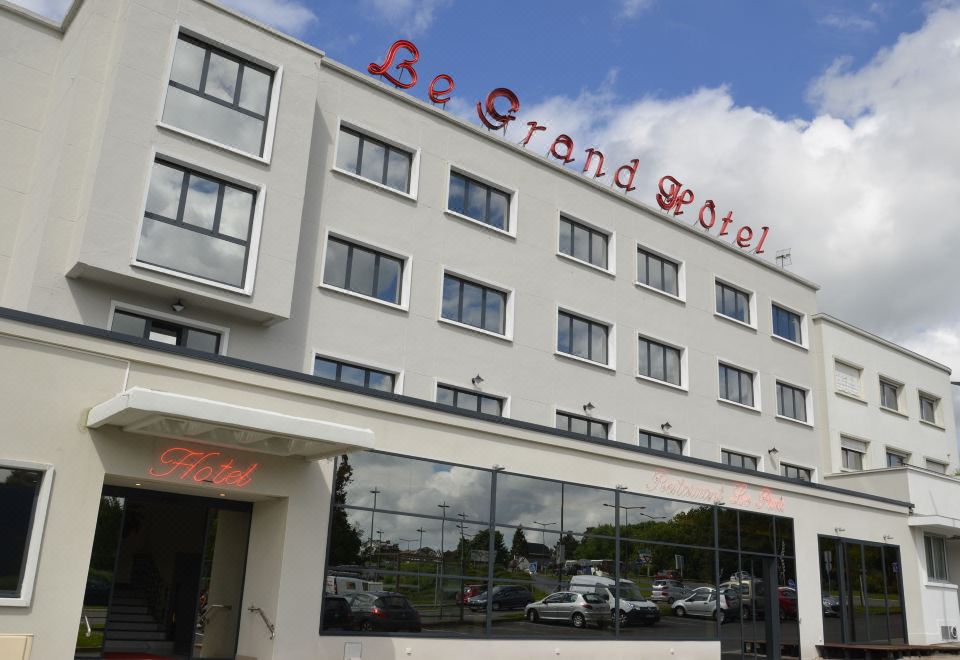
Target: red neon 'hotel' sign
{"x": 672, "y": 196}
{"x": 202, "y": 467}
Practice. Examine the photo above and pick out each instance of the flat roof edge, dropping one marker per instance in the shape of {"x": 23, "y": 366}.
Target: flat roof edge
{"x": 99, "y": 333}
{"x": 832, "y": 320}
{"x": 605, "y": 189}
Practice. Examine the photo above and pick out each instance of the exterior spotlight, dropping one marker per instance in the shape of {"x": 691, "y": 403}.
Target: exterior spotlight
{"x": 773, "y": 451}
{"x": 838, "y": 530}
{"x": 887, "y": 537}
{"x": 665, "y": 427}
{"x": 588, "y": 407}
{"x": 178, "y": 306}
{"x": 477, "y": 380}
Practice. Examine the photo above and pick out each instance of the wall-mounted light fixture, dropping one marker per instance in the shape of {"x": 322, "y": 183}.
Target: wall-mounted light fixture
{"x": 499, "y": 468}
{"x": 477, "y": 380}
{"x": 838, "y": 530}
{"x": 178, "y": 306}
{"x": 887, "y": 538}
{"x": 588, "y": 407}
{"x": 773, "y": 451}
{"x": 665, "y": 427}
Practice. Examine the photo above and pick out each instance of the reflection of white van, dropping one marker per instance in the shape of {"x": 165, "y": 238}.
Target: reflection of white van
{"x": 340, "y": 585}
{"x": 634, "y": 608}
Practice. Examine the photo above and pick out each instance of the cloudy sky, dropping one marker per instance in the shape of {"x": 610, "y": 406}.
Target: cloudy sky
{"x": 831, "y": 121}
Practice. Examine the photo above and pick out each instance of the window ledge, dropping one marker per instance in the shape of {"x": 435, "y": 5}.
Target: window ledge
{"x": 660, "y": 292}
{"x": 474, "y": 221}
{"x": 360, "y": 296}
{"x": 191, "y": 278}
{"x": 739, "y": 405}
{"x": 933, "y": 424}
{"x": 580, "y": 262}
{"x": 465, "y": 326}
{"x": 577, "y": 358}
{"x": 794, "y": 421}
{"x": 730, "y": 319}
{"x": 790, "y": 342}
{"x": 852, "y": 397}
{"x": 894, "y": 412}
{"x": 213, "y": 143}
{"x": 935, "y": 584}
{"x": 664, "y": 383}
{"x": 371, "y": 182}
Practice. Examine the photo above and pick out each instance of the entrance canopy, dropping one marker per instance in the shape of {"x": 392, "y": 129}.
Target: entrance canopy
{"x": 167, "y": 415}
{"x": 944, "y": 525}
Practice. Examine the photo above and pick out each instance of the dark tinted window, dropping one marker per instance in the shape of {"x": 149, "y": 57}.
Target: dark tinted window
{"x": 363, "y": 270}
{"x": 658, "y": 272}
{"x": 582, "y": 242}
{"x": 474, "y": 304}
{"x": 582, "y": 425}
{"x": 352, "y": 374}
{"x": 467, "y": 400}
{"x": 736, "y": 385}
{"x": 581, "y": 337}
{"x": 373, "y": 159}
{"x": 165, "y": 332}
{"x": 733, "y": 302}
{"x": 18, "y": 500}
{"x": 786, "y": 324}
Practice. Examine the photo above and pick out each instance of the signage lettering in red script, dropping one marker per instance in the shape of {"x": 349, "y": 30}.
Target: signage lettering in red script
{"x": 740, "y": 494}
{"x": 672, "y": 197}
{"x": 402, "y": 65}
{"x": 202, "y": 467}
{"x": 498, "y": 120}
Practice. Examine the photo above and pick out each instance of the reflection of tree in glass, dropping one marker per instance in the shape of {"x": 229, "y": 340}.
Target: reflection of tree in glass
{"x": 345, "y": 538}
{"x": 518, "y": 548}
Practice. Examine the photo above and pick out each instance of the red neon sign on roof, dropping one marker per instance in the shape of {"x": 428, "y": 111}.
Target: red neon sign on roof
{"x": 202, "y": 467}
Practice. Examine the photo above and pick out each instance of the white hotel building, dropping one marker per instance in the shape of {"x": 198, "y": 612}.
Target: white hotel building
{"x": 227, "y": 262}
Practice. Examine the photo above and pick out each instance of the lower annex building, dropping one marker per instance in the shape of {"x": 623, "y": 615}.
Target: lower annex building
{"x": 276, "y": 337}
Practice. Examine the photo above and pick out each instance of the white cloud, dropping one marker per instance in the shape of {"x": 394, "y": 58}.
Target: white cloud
{"x": 865, "y": 192}
{"x": 289, "y": 16}
{"x": 413, "y": 17}
{"x": 54, "y": 9}
{"x": 633, "y": 8}
{"x": 849, "y": 21}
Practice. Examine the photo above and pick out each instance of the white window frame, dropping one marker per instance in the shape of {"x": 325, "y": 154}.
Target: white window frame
{"x": 751, "y": 302}
{"x": 683, "y": 440}
{"x": 901, "y": 389}
{"x": 807, "y": 403}
{"x": 864, "y": 454}
{"x": 360, "y": 362}
{"x": 809, "y": 468}
{"x": 611, "y": 424}
{"x": 380, "y": 137}
{"x": 405, "y": 276}
{"x": 804, "y": 342}
{"x": 939, "y": 461}
{"x": 512, "y": 210}
{"x": 611, "y": 364}
{"x": 681, "y": 272}
{"x": 860, "y": 371}
{"x": 611, "y": 235}
{"x": 36, "y": 531}
{"x": 757, "y": 404}
{"x": 478, "y": 390}
{"x": 255, "y": 231}
{"x": 508, "y": 317}
{"x": 937, "y": 417}
{"x": 946, "y": 564}
{"x": 115, "y": 305}
{"x": 684, "y": 385}
{"x": 271, "y": 127}
{"x": 742, "y": 452}
{"x": 902, "y": 453}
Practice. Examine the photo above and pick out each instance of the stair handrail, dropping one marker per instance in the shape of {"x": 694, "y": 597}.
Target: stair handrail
{"x": 272, "y": 628}
{"x": 86, "y": 622}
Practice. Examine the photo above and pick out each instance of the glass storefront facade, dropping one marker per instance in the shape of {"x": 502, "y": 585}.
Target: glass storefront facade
{"x": 443, "y": 536}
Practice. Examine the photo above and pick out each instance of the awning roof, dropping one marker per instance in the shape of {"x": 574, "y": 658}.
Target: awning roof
{"x": 167, "y": 415}
{"x": 936, "y": 524}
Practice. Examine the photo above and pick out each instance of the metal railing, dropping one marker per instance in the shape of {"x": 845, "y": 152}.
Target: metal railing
{"x": 266, "y": 621}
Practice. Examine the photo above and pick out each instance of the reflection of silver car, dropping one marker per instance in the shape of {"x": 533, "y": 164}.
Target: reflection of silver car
{"x": 667, "y": 591}
{"x": 703, "y": 602}
{"x": 578, "y": 609}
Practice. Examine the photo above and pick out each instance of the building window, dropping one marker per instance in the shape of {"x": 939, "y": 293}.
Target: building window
{"x": 352, "y": 374}
{"x": 852, "y": 453}
{"x": 165, "y": 332}
{"x": 936, "y": 466}
{"x": 363, "y": 270}
{"x": 474, "y": 304}
{"x": 794, "y": 472}
{"x": 889, "y": 395}
{"x": 736, "y": 385}
{"x": 791, "y": 402}
{"x": 467, "y": 400}
{"x": 733, "y": 302}
{"x": 928, "y": 408}
{"x": 374, "y": 160}
{"x": 584, "y": 243}
{"x": 197, "y": 224}
{"x": 936, "y": 551}
{"x": 479, "y": 201}
{"x": 582, "y": 338}
{"x": 846, "y": 378}
{"x": 896, "y": 459}
{"x": 19, "y": 498}
{"x": 219, "y": 96}
{"x": 787, "y": 325}
{"x": 659, "y": 361}
{"x": 661, "y": 443}
{"x": 734, "y": 459}
{"x": 583, "y": 425}
{"x": 658, "y": 272}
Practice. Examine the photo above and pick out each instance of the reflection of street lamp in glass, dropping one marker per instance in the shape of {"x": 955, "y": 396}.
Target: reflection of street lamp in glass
{"x": 376, "y": 491}
{"x": 627, "y": 509}
{"x": 463, "y": 518}
{"x": 543, "y": 528}
{"x": 443, "y": 524}
{"x": 419, "y": 555}
{"x": 408, "y": 541}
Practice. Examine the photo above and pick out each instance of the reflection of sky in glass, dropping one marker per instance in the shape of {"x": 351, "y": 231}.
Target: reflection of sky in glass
{"x": 498, "y": 209}
{"x": 196, "y": 254}
{"x": 371, "y": 163}
{"x": 670, "y": 277}
{"x": 347, "y": 151}
{"x": 222, "y": 78}
{"x": 201, "y": 206}
{"x": 494, "y": 312}
{"x": 254, "y": 91}
{"x": 457, "y": 191}
{"x": 388, "y": 280}
{"x": 236, "y": 213}
{"x": 476, "y": 201}
{"x": 213, "y": 121}
{"x": 187, "y": 64}
{"x": 361, "y": 271}
{"x": 165, "y": 186}
{"x": 472, "y": 304}
{"x": 451, "y": 298}
{"x": 398, "y": 170}
{"x": 581, "y": 243}
{"x": 581, "y": 338}
{"x": 335, "y": 271}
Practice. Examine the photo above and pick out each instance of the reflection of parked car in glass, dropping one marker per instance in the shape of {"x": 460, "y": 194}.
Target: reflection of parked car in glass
{"x": 575, "y": 608}
{"x": 337, "y": 613}
{"x": 505, "y": 597}
{"x": 469, "y": 591}
{"x": 831, "y": 605}
{"x": 667, "y": 591}
{"x": 704, "y": 603}
{"x": 634, "y": 608}
{"x": 788, "y": 602}
{"x": 383, "y": 610}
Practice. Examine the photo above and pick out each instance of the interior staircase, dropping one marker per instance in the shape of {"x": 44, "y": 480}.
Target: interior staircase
{"x": 136, "y": 619}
